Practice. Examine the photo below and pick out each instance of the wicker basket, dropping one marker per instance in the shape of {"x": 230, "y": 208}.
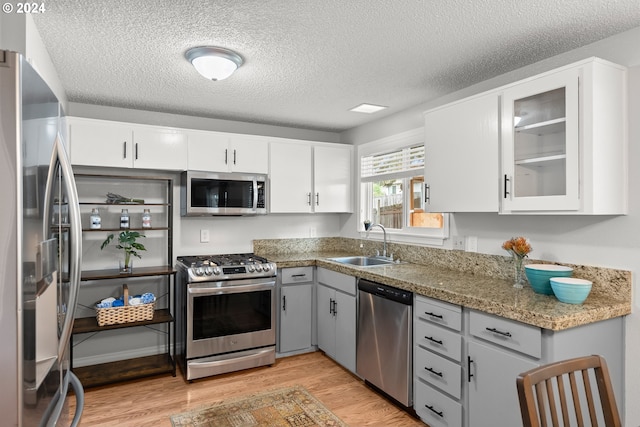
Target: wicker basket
{"x": 125, "y": 314}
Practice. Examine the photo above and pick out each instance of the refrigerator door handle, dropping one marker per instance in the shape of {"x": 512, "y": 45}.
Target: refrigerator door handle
{"x": 59, "y": 156}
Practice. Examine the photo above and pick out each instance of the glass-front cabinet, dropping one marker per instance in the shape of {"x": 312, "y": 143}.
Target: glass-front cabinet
{"x": 541, "y": 144}
{"x": 564, "y": 141}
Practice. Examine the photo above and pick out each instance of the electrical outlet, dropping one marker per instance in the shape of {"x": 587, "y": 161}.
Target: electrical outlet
{"x": 471, "y": 243}
{"x": 204, "y": 236}
{"x": 458, "y": 243}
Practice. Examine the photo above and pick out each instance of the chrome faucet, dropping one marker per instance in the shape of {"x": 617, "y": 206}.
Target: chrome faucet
{"x": 368, "y": 226}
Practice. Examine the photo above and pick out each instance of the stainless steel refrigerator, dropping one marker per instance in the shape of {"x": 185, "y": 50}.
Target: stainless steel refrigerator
{"x": 40, "y": 253}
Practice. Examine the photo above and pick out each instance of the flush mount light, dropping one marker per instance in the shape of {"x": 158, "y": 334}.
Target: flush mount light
{"x": 367, "y": 108}
{"x": 214, "y": 63}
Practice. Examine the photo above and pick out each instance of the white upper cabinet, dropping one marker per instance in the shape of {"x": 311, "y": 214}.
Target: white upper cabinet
{"x": 124, "y": 145}
{"x": 564, "y": 144}
{"x": 332, "y": 178}
{"x": 224, "y": 152}
{"x": 290, "y": 177}
{"x": 462, "y": 155}
{"x": 159, "y": 148}
{"x": 309, "y": 177}
{"x": 100, "y": 143}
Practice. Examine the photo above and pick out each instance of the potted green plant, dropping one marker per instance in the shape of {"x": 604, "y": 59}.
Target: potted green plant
{"x": 127, "y": 241}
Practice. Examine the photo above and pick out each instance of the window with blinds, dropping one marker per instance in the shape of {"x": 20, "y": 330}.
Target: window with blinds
{"x": 396, "y": 164}
{"x": 392, "y": 192}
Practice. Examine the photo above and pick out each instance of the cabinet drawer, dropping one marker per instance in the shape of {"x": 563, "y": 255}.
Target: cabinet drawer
{"x": 438, "y": 312}
{"x": 517, "y": 336}
{"x": 441, "y": 340}
{"x": 339, "y": 281}
{"x": 296, "y": 275}
{"x": 436, "y": 409}
{"x": 439, "y": 372}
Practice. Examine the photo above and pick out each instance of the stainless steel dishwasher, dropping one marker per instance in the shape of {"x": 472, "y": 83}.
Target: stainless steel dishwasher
{"x": 383, "y": 352}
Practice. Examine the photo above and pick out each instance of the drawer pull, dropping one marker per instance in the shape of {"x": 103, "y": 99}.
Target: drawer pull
{"x": 433, "y": 340}
{"x": 439, "y": 316}
{"x": 495, "y": 331}
{"x": 440, "y": 414}
{"x": 299, "y": 275}
{"x": 434, "y": 371}
{"x": 469, "y": 374}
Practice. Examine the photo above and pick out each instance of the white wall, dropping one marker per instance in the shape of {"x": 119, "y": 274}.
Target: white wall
{"x": 601, "y": 241}
{"x": 18, "y": 33}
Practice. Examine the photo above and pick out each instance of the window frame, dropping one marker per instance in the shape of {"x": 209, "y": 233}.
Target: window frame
{"x": 420, "y": 235}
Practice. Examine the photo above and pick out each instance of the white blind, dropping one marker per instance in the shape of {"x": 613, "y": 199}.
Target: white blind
{"x": 395, "y": 164}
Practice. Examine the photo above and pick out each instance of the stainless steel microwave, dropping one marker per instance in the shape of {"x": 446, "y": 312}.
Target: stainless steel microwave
{"x": 209, "y": 193}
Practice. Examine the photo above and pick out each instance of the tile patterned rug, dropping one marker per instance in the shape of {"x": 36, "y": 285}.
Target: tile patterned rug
{"x": 285, "y": 407}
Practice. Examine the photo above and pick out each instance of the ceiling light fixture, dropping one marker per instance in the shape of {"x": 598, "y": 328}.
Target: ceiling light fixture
{"x": 214, "y": 63}
{"x": 367, "y": 108}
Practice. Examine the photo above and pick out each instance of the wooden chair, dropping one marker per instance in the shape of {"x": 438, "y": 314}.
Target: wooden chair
{"x": 540, "y": 409}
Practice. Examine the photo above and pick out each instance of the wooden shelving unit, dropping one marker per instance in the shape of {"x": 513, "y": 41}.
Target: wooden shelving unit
{"x": 132, "y": 368}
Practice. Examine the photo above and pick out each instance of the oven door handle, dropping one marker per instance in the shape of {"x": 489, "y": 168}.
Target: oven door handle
{"x": 216, "y": 290}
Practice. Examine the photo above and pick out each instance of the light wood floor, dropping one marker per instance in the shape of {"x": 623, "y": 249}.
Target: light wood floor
{"x": 150, "y": 402}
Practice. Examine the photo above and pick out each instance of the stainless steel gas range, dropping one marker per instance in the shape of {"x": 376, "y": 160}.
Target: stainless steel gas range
{"x": 225, "y": 318}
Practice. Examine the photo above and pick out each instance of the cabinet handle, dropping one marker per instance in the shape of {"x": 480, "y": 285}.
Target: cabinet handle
{"x": 469, "y": 374}
{"x": 136, "y": 151}
{"x": 427, "y": 193}
{"x": 440, "y": 414}
{"x": 309, "y": 199}
{"x": 299, "y": 275}
{"x": 439, "y": 316}
{"x": 434, "y": 371}
{"x": 234, "y": 157}
{"x": 317, "y": 199}
{"x": 506, "y": 180}
{"x": 335, "y": 307}
{"x": 226, "y": 152}
{"x": 434, "y": 340}
{"x": 495, "y": 331}
{"x": 124, "y": 150}
{"x": 284, "y": 303}
{"x": 330, "y": 305}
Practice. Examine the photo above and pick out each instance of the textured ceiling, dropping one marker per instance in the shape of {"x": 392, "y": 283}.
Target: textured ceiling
{"x": 308, "y": 61}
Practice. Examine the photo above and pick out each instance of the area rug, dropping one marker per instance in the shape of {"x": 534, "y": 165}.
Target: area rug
{"x": 285, "y": 407}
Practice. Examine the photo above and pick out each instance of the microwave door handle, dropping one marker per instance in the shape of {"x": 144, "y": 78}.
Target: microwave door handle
{"x": 254, "y": 203}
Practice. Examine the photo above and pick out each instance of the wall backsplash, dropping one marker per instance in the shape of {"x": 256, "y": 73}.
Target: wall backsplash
{"x": 612, "y": 282}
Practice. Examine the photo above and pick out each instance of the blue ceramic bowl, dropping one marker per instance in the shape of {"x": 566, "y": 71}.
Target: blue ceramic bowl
{"x": 538, "y": 276}
{"x": 570, "y": 289}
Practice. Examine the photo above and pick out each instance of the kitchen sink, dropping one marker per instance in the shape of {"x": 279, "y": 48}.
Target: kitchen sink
{"x": 363, "y": 261}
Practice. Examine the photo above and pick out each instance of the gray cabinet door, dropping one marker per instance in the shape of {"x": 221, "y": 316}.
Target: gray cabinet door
{"x": 345, "y": 312}
{"x": 493, "y": 397}
{"x": 326, "y": 321}
{"x": 295, "y": 317}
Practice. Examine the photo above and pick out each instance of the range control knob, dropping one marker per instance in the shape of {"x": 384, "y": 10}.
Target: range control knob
{"x": 250, "y": 268}
{"x": 258, "y": 268}
{"x": 266, "y": 267}
{"x": 199, "y": 271}
{"x": 216, "y": 271}
{"x": 208, "y": 270}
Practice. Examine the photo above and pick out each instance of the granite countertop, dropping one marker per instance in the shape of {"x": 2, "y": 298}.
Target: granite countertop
{"x": 487, "y": 294}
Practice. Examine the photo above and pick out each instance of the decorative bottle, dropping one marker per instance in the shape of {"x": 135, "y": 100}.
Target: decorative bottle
{"x": 124, "y": 219}
{"x": 146, "y": 219}
{"x": 96, "y": 221}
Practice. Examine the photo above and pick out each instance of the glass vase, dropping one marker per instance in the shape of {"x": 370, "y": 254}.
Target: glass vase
{"x": 126, "y": 268}
{"x": 518, "y": 265}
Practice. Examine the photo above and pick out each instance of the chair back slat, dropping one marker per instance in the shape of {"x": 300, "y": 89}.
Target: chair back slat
{"x": 576, "y": 398}
{"x": 551, "y": 406}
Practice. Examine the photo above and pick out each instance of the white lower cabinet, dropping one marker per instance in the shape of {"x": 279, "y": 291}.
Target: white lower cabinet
{"x": 336, "y": 311}
{"x": 296, "y": 309}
